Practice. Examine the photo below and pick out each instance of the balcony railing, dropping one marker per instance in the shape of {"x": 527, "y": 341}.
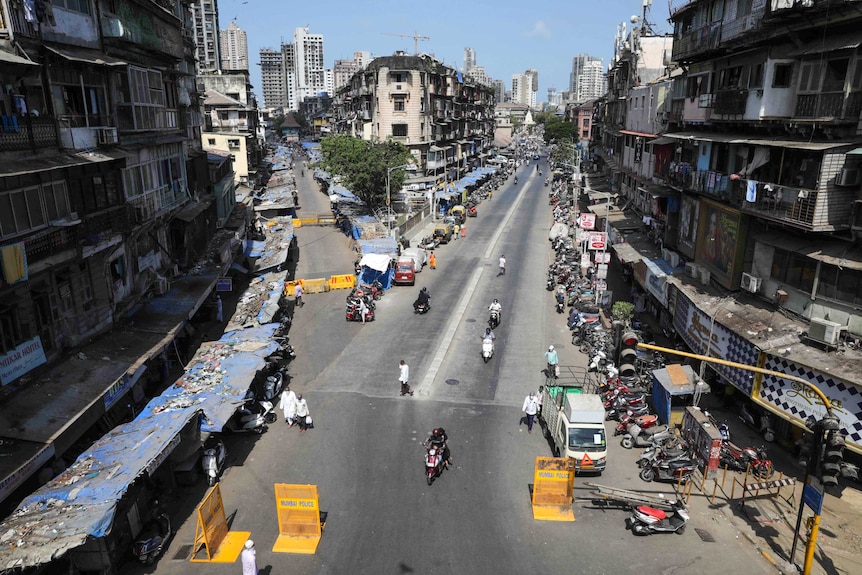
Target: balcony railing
{"x": 50, "y": 242}
{"x": 829, "y": 105}
{"x": 730, "y": 102}
{"x": 786, "y": 204}
{"x": 19, "y": 133}
{"x": 20, "y": 25}
{"x": 107, "y": 223}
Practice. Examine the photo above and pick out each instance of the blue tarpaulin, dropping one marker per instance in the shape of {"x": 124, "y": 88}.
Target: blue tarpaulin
{"x": 253, "y": 248}
{"x": 220, "y": 376}
{"x": 81, "y": 502}
{"x": 385, "y": 246}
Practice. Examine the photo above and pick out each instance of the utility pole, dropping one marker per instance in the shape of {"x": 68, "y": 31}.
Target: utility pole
{"x": 416, "y": 37}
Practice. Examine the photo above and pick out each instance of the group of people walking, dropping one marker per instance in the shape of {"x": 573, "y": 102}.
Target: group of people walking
{"x": 295, "y": 409}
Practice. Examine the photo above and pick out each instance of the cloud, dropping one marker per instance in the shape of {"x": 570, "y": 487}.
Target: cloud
{"x": 540, "y": 30}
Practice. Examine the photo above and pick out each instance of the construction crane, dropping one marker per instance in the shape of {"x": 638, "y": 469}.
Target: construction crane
{"x": 416, "y": 37}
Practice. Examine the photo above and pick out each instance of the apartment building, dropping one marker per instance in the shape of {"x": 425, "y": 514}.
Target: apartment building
{"x": 745, "y": 165}
{"x": 233, "y": 45}
{"x": 206, "y": 35}
{"x": 443, "y": 117}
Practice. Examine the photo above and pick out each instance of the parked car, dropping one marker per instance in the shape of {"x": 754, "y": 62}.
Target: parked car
{"x": 405, "y": 272}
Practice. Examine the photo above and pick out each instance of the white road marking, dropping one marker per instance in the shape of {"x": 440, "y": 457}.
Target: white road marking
{"x": 492, "y": 245}
{"x": 424, "y": 388}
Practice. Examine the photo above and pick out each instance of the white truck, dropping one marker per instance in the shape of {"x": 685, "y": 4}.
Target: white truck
{"x": 574, "y": 423}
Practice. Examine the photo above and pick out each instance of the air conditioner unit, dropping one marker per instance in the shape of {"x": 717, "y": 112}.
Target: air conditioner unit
{"x": 162, "y": 286}
{"x": 824, "y": 331}
{"x": 692, "y": 270}
{"x": 749, "y": 23}
{"x": 705, "y": 276}
{"x": 750, "y": 283}
{"x": 107, "y": 135}
{"x": 848, "y": 177}
{"x": 665, "y": 254}
{"x": 674, "y": 260}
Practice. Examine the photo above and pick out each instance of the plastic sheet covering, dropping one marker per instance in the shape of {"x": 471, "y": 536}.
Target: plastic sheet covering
{"x": 384, "y": 246}
{"x": 557, "y": 230}
{"x": 377, "y": 262}
{"x": 253, "y": 248}
{"x": 219, "y": 376}
{"x": 81, "y": 502}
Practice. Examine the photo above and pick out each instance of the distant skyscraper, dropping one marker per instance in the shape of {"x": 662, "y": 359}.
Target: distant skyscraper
{"x": 469, "y": 59}
{"x": 478, "y": 74}
{"x": 342, "y": 70}
{"x": 308, "y": 66}
{"x": 588, "y": 71}
{"x": 523, "y": 90}
{"x": 234, "y": 48}
{"x": 534, "y": 74}
{"x": 499, "y": 90}
{"x": 205, "y": 22}
{"x": 296, "y": 72}
{"x": 272, "y": 78}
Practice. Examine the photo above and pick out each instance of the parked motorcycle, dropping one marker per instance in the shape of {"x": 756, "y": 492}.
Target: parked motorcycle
{"x": 352, "y": 312}
{"x": 214, "y": 459}
{"x": 153, "y": 539}
{"x": 673, "y": 449}
{"x": 251, "y": 417}
{"x": 487, "y": 349}
{"x": 273, "y": 385}
{"x": 647, "y": 520}
{"x": 635, "y": 436}
{"x": 674, "y": 470}
{"x": 738, "y": 458}
{"x": 763, "y": 426}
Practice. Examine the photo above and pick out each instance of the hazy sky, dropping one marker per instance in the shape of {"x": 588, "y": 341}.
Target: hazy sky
{"x": 508, "y": 37}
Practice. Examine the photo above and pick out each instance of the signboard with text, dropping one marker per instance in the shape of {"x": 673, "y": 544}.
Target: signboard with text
{"x": 20, "y": 360}
{"x": 588, "y": 221}
{"x": 603, "y": 258}
{"x": 597, "y": 241}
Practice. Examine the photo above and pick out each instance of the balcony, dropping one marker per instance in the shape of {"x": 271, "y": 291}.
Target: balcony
{"x": 696, "y": 42}
{"x": 50, "y": 242}
{"x": 730, "y": 102}
{"x": 20, "y": 133}
{"x": 142, "y": 118}
{"x": 829, "y": 105}
{"x": 786, "y": 205}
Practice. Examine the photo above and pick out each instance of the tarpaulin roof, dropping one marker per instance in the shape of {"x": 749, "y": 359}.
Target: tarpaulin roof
{"x": 253, "y": 248}
{"x": 219, "y": 376}
{"x": 384, "y": 246}
{"x": 81, "y": 502}
{"x": 377, "y": 262}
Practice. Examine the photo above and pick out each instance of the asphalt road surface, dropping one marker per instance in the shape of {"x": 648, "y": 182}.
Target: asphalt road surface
{"x": 365, "y": 452}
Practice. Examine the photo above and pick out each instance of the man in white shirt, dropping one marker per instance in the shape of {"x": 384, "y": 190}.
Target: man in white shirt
{"x": 502, "y": 271}
{"x": 404, "y": 377}
{"x": 531, "y": 407}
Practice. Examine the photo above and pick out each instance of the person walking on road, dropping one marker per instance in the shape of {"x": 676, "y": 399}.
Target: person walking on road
{"x": 363, "y": 309}
{"x": 531, "y": 408}
{"x": 249, "y": 559}
{"x": 219, "y": 309}
{"x": 404, "y": 377}
{"x": 502, "y": 271}
{"x": 553, "y": 362}
{"x": 288, "y": 404}
{"x": 297, "y": 291}
{"x": 301, "y": 413}
{"x": 432, "y": 261}
{"x": 540, "y": 396}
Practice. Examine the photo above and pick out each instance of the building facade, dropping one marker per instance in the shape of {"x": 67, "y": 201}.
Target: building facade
{"x": 469, "y": 59}
{"x": 206, "y": 35}
{"x": 524, "y": 90}
{"x": 586, "y": 80}
{"x": 272, "y": 78}
{"x": 233, "y": 46}
{"x": 296, "y": 72}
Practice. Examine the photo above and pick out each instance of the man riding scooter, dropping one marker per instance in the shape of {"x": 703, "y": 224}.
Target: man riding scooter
{"x": 423, "y": 299}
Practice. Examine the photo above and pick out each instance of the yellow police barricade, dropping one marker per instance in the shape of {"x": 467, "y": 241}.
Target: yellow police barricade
{"x": 346, "y": 281}
{"x": 317, "y": 285}
{"x": 212, "y": 535}
{"x": 300, "y": 523}
{"x": 553, "y": 487}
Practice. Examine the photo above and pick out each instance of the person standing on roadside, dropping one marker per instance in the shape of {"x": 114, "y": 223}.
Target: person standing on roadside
{"x": 219, "y": 309}
{"x": 297, "y": 291}
{"x": 540, "y": 396}
{"x": 404, "y": 377}
{"x": 530, "y": 409}
{"x": 249, "y": 559}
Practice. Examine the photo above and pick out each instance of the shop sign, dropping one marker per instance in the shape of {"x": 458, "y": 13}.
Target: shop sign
{"x": 798, "y": 402}
{"x": 602, "y": 271}
{"x": 656, "y": 282}
{"x": 29, "y": 468}
{"x": 603, "y": 258}
{"x": 707, "y": 337}
{"x": 588, "y": 221}
{"x": 597, "y": 241}
{"x": 20, "y": 360}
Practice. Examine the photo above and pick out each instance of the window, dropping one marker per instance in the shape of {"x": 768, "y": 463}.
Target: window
{"x": 82, "y": 6}
{"x": 835, "y": 74}
{"x": 585, "y": 122}
{"x": 398, "y": 104}
{"x": 399, "y": 130}
{"x": 10, "y": 329}
{"x": 842, "y": 284}
{"x": 794, "y": 269}
{"x": 756, "y": 78}
{"x": 233, "y": 144}
{"x": 142, "y": 100}
{"x": 782, "y": 75}
{"x": 32, "y": 208}
{"x": 211, "y": 142}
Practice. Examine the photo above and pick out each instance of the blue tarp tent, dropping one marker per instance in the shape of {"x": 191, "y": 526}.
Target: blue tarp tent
{"x": 381, "y": 246}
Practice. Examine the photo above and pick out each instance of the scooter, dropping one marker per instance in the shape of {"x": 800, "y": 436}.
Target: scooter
{"x": 433, "y": 464}
{"x": 764, "y": 427}
{"x": 250, "y": 418}
{"x": 637, "y": 437}
{"x": 647, "y": 520}
{"x": 422, "y": 308}
{"x": 487, "y": 349}
{"x": 494, "y": 319}
{"x": 153, "y": 539}
{"x": 273, "y": 386}
{"x": 674, "y": 470}
{"x": 213, "y": 460}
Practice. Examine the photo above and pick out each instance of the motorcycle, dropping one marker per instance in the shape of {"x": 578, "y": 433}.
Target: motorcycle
{"x": 251, "y": 417}
{"x": 561, "y": 300}
{"x": 153, "y": 539}
{"x": 674, "y": 470}
{"x": 352, "y": 312}
{"x": 673, "y": 449}
{"x": 487, "y": 349}
{"x": 273, "y": 386}
{"x": 738, "y": 458}
{"x": 433, "y": 464}
{"x": 644, "y": 421}
{"x": 213, "y": 460}
{"x": 422, "y": 308}
{"x": 637, "y": 437}
{"x": 516, "y": 180}
{"x": 647, "y": 520}
{"x": 764, "y": 426}
{"x": 494, "y": 319}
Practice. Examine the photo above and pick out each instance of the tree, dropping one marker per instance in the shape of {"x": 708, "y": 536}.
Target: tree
{"x": 557, "y": 129}
{"x": 623, "y": 311}
{"x": 363, "y": 165}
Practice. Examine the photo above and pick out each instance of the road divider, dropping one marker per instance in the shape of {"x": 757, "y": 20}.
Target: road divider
{"x": 346, "y": 281}
{"x": 316, "y": 285}
{"x": 553, "y": 489}
{"x": 313, "y": 221}
{"x": 300, "y": 522}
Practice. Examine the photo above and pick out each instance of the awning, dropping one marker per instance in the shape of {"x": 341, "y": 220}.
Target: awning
{"x": 839, "y": 254}
{"x": 191, "y": 211}
{"x": 661, "y": 141}
{"x": 741, "y": 139}
{"x": 377, "y": 262}
{"x": 641, "y": 134}
{"x": 828, "y": 45}
{"x": 10, "y": 58}
{"x": 56, "y": 162}
{"x": 85, "y": 56}
{"x": 658, "y": 192}
{"x": 626, "y": 253}
{"x": 856, "y": 152}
